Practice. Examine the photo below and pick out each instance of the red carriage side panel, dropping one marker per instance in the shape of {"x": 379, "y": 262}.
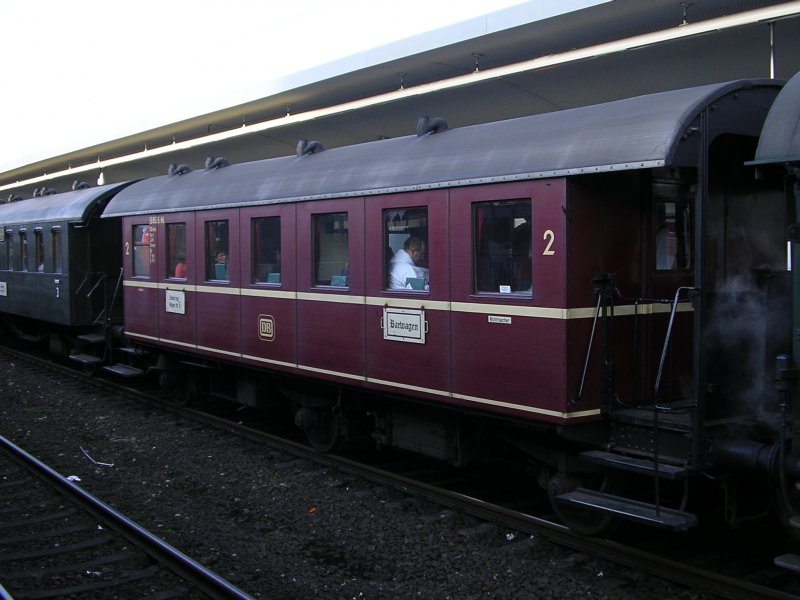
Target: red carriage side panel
{"x": 330, "y": 284}
{"x": 607, "y": 214}
{"x": 509, "y": 324}
{"x": 267, "y": 247}
{"x": 413, "y": 355}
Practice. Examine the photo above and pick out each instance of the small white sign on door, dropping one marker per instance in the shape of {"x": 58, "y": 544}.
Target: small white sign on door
{"x": 404, "y": 324}
{"x": 176, "y": 302}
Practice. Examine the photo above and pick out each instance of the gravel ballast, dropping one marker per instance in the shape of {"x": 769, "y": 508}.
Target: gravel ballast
{"x": 279, "y": 527}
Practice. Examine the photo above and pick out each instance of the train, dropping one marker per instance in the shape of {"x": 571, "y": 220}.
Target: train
{"x": 603, "y": 292}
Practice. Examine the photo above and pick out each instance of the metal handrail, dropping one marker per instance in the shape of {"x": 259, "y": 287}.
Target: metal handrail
{"x": 658, "y": 408}
{"x": 666, "y": 344}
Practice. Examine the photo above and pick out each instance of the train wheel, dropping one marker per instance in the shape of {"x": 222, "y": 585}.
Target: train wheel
{"x": 323, "y": 426}
{"x": 187, "y": 390}
{"x": 580, "y": 520}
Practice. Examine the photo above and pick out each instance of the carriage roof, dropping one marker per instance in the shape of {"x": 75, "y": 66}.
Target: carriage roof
{"x": 635, "y": 133}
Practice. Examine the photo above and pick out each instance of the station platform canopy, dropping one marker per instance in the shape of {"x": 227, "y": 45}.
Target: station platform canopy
{"x": 532, "y": 58}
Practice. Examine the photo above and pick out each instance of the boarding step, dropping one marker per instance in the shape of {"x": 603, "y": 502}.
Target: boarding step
{"x": 788, "y": 561}
{"x": 679, "y": 420}
{"x": 92, "y": 338}
{"x": 133, "y": 350}
{"x": 635, "y": 465}
{"x": 86, "y": 359}
{"x": 633, "y": 510}
{"x": 124, "y": 370}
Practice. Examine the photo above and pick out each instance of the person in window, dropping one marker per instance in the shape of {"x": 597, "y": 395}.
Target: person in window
{"x": 180, "y": 268}
{"x": 220, "y": 265}
{"x": 403, "y": 274}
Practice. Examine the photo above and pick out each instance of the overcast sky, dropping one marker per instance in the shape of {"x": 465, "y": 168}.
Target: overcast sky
{"x": 81, "y": 72}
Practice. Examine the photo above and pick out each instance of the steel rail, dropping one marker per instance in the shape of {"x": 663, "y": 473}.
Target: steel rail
{"x": 206, "y": 580}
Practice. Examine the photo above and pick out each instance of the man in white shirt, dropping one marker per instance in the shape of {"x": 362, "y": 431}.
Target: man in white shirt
{"x": 402, "y": 264}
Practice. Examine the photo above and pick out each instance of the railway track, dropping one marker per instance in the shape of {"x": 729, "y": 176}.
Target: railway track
{"x": 450, "y": 490}
{"x": 57, "y": 540}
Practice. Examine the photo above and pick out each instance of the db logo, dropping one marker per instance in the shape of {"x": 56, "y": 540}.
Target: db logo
{"x": 266, "y": 328}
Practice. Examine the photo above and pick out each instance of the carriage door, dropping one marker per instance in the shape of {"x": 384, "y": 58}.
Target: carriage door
{"x": 668, "y": 360}
{"x": 267, "y": 247}
{"x": 217, "y": 268}
{"x": 177, "y": 278}
{"x": 140, "y": 277}
{"x": 408, "y": 292}
{"x": 330, "y": 288}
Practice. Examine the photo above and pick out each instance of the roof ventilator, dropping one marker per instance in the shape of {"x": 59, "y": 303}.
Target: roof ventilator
{"x": 178, "y": 169}
{"x": 79, "y": 185}
{"x": 216, "y": 162}
{"x": 304, "y": 147}
{"x": 427, "y": 125}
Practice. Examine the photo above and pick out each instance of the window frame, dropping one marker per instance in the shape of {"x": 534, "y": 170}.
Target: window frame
{"x": 261, "y": 250}
{"x": 682, "y": 207}
{"x": 515, "y": 269}
{"x": 56, "y": 253}
{"x": 141, "y": 249}
{"x": 420, "y": 223}
{"x": 211, "y": 251}
{"x": 22, "y": 265}
{"x": 172, "y": 251}
{"x": 333, "y": 228}
{"x": 5, "y": 259}
{"x": 38, "y": 247}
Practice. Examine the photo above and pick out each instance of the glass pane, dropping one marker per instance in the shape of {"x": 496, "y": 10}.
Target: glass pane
{"x": 57, "y": 266}
{"x": 141, "y": 250}
{"x": 331, "y": 259}
{"x": 405, "y": 248}
{"x": 266, "y": 242}
{"x": 23, "y": 254}
{"x": 176, "y": 250}
{"x": 216, "y": 244}
{"x": 502, "y": 247}
{"x": 39, "y": 251}
{"x": 5, "y": 247}
{"x": 673, "y": 235}
{"x": 10, "y": 250}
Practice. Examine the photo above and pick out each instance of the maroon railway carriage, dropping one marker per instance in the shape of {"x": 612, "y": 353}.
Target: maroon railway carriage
{"x": 555, "y": 248}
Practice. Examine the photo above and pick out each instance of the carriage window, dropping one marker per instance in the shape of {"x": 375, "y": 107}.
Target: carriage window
{"x": 176, "y": 250}
{"x": 672, "y": 235}
{"x": 37, "y": 234}
{"x": 11, "y": 252}
{"x": 502, "y": 247}
{"x": 23, "y": 251}
{"x": 331, "y": 260}
{"x": 5, "y": 249}
{"x": 56, "y": 239}
{"x": 266, "y": 236}
{"x": 142, "y": 240}
{"x": 217, "y": 251}
{"x": 405, "y": 241}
